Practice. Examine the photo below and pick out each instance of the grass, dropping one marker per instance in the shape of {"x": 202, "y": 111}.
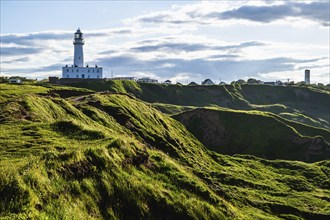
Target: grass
{"x": 302, "y": 104}
{"x": 113, "y": 156}
{"x": 171, "y": 109}
{"x": 227, "y": 131}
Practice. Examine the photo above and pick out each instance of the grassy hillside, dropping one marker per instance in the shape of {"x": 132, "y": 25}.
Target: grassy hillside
{"x": 112, "y": 156}
{"x": 306, "y": 105}
{"x": 255, "y": 133}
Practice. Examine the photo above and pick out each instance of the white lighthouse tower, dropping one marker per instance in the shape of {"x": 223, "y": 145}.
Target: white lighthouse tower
{"x": 77, "y": 70}
{"x": 78, "y": 49}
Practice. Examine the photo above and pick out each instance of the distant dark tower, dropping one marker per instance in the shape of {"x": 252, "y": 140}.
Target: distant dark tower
{"x": 307, "y": 76}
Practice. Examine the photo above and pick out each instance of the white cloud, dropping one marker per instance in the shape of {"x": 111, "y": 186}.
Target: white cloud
{"x": 173, "y": 47}
{"x": 245, "y": 12}
{"x": 168, "y": 65}
{"x": 186, "y": 78}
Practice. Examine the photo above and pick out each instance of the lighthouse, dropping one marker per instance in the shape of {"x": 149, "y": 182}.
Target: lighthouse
{"x": 78, "y": 43}
{"x": 77, "y": 70}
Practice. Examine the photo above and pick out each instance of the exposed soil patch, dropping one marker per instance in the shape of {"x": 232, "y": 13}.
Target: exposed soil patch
{"x": 77, "y": 170}
{"x": 141, "y": 158}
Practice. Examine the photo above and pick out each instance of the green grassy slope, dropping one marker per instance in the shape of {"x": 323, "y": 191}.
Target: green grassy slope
{"x": 253, "y": 132}
{"x": 112, "y": 156}
{"x": 170, "y": 94}
{"x": 306, "y": 105}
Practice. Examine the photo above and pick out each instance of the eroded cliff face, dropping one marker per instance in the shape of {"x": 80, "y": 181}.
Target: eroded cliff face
{"x": 262, "y": 135}
{"x": 206, "y": 126}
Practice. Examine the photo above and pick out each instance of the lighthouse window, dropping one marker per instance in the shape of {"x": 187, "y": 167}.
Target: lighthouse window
{"x": 67, "y": 70}
{"x": 88, "y": 70}
{"x": 67, "y": 76}
{"x": 97, "y": 70}
{"x": 77, "y": 70}
{"x": 72, "y": 70}
{"x": 77, "y": 76}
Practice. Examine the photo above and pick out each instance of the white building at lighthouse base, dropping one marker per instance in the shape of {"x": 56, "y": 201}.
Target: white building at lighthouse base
{"x": 82, "y": 72}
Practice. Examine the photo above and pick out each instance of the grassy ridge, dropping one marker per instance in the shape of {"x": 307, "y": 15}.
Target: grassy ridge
{"x": 112, "y": 156}
{"x": 252, "y": 132}
{"x": 306, "y": 105}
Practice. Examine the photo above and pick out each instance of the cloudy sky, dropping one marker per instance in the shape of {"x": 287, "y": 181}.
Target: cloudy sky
{"x": 179, "y": 40}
